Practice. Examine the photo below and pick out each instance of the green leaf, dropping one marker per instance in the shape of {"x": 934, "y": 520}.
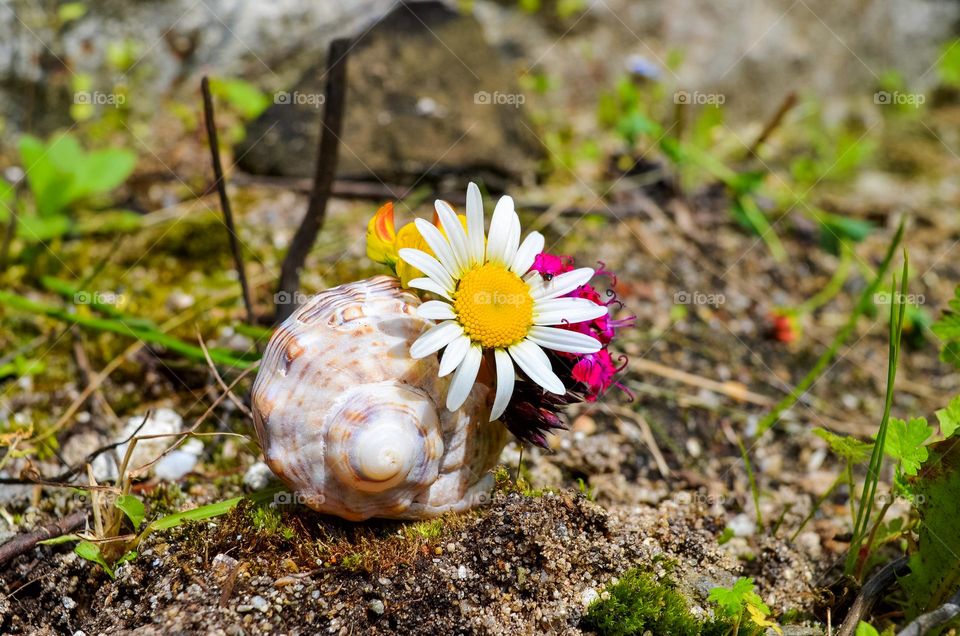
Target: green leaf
{"x": 197, "y": 514}
{"x": 243, "y": 96}
{"x": 733, "y": 599}
{"x": 101, "y": 172}
{"x": 846, "y": 447}
{"x": 43, "y": 228}
{"x": 905, "y": 442}
{"x": 129, "y": 556}
{"x": 949, "y": 417}
{"x": 947, "y": 329}
{"x": 91, "y": 552}
{"x": 22, "y": 366}
{"x": 133, "y": 508}
{"x": 835, "y": 229}
{"x": 949, "y": 64}
{"x": 935, "y": 566}
{"x": 865, "y": 629}
{"x": 71, "y": 11}
{"x": 65, "y": 538}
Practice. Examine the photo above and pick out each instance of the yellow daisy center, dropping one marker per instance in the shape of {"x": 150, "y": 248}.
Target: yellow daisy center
{"x": 494, "y": 306}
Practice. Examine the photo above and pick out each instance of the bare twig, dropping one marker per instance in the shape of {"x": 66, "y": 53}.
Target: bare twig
{"x": 871, "y": 592}
{"x": 785, "y": 107}
{"x": 10, "y": 230}
{"x": 223, "y": 385}
{"x": 935, "y": 618}
{"x": 306, "y": 235}
{"x": 224, "y": 200}
{"x": 730, "y": 389}
{"x": 100, "y": 403}
{"x": 192, "y": 430}
{"x": 24, "y": 542}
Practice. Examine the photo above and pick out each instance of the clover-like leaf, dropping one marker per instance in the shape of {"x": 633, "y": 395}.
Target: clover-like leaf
{"x": 849, "y": 448}
{"x": 949, "y": 417}
{"x": 905, "y": 442}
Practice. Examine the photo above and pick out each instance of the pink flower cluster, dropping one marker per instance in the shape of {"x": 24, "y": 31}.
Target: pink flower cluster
{"x": 595, "y": 371}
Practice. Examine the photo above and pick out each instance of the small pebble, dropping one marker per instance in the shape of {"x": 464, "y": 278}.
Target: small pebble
{"x": 742, "y": 525}
{"x": 69, "y": 603}
{"x": 259, "y": 603}
{"x": 462, "y": 572}
{"x": 376, "y": 606}
{"x": 257, "y": 476}
{"x": 588, "y": 596}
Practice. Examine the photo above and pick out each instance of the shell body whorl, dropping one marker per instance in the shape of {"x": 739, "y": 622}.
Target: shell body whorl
{"x": 357, "y": 428}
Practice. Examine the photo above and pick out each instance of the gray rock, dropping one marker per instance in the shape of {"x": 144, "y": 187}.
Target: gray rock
{"x": 259, "y": 603}
{"x": 175, "y": 41}
{"x": 257, "y": 476}
{"x": 426, "y": 95}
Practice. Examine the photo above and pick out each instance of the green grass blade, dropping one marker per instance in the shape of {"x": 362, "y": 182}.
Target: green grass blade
{"x": 117, "y": 326}
{"x": 865, "y": 301}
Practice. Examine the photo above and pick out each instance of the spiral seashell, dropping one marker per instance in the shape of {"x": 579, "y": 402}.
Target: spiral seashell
{"x": 357, "y": 428}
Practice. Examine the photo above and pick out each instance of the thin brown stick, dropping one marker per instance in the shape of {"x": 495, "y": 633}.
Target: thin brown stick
{"x": 785, "y": 107}
{"x": 8, "y": 234}
{"x": 730, "y": 389}
{"x": 872, "y": 590}
{"x": 223, "y": 385}
{"x": 934, "y": 618}
{"x": 24, "y": 542}
{"x": 99, "y": 402}
{"x": 224, "y": 200}
{"x": 326, "y": 168}
{"x": 192, "y": 430}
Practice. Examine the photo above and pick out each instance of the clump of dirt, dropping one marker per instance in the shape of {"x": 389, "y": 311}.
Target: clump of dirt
{"x": 525, "y": 564}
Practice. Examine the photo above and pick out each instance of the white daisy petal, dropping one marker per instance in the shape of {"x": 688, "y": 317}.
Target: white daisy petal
{"x": 534, "y": 362}
{"x": 453, "y": 355}
{"x": 455, "y": 234}
{"x": 475, "y": 236}
{"x": 439, "y": 245}
{"x": 510, "y": 252}
{"x": 436, "y": 310}
{"x": 531, "y": 246}
{"x": 564, "y": 283}
{"x": 429, "y": 266}
{"x": 557, "y": 311}
{"x": 563, "y": 340}
{"x": 430, "y": 285}
{"x": 501, "y": 224}
{"x": 462, "y": 382}
{"x": 435, "y": 338}
{"x": 505, "y": 379}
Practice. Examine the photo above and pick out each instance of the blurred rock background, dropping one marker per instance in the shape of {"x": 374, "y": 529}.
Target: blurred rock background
{"x": 415, "y": 97}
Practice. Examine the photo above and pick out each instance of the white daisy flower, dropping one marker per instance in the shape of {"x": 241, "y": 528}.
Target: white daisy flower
{"x": 492, "y": 301}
